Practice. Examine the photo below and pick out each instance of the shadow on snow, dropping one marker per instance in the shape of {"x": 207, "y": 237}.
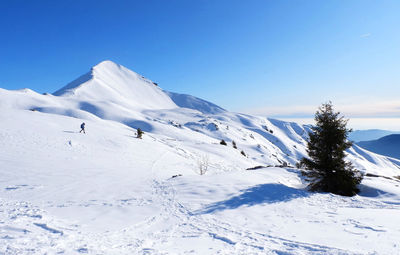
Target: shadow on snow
{"x": 260, "y": 194}
{"x": 368, "y": 191}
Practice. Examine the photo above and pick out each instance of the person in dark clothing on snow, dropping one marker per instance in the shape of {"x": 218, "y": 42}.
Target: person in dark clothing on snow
{"x": 83, "y": 128}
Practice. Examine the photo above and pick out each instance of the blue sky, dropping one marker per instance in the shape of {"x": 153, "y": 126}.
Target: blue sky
{"x": 275, "y": 58}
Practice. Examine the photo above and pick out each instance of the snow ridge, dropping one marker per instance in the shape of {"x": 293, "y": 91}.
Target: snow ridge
{"x": 195, "y": 103}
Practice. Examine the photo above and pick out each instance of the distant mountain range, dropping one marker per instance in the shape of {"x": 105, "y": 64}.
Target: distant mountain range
{"x": 388, "y": 145}
{"x": 370, "y": 134}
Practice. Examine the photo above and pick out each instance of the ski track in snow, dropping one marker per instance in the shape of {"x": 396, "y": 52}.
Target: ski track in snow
{"x": 236, "y": 241}
{"x": 27, "y": 222}
{"x": 23, "y": 225}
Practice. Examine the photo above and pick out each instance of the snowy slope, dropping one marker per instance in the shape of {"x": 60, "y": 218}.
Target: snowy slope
{"x": 195, "y": 103}
{"x": 107, "y": 192}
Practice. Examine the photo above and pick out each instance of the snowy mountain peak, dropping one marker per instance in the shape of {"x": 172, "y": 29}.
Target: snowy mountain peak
{"x": 111, "y": 82}
{"x": 108, "y": 67}
{"x": 105, "y": 70}
{"x": 106, "y": 64}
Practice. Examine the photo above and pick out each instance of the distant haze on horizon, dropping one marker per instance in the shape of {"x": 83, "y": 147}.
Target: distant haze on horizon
{"x": 391, "y": 124}
{"x": 384, "y": 115}
{"x": 280, "y": 59}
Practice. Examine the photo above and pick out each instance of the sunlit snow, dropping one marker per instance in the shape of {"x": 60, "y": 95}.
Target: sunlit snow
{"x": 107, "y": 192}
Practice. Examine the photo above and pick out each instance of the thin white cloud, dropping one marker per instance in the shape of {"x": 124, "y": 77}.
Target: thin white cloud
{"x": 383, "y": 109}
{"x": 365, "y": 35}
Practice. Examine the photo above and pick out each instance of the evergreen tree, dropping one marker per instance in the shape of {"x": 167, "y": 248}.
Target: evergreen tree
{"x": 326, "y": 168}
{"x": 139, "y": 133}
{"x": 223, "y": 142}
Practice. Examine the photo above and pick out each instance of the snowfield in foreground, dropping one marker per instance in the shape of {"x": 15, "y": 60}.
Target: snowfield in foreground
{"x": 107, "y": 192}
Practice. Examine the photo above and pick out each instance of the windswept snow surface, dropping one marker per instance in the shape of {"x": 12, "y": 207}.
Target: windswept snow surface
{"x": 195, "y": 103}
{"x": 107, "y": 192}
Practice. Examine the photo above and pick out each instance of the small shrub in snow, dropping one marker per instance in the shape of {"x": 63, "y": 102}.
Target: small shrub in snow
{"x": 271, "y": 131}
{"x": 242, "y": 152}
{"x": 223, "y": 142}
{"x": 234, "y": 145}
{"x": 139, "y": 133}
{"x": 203, "y": 164}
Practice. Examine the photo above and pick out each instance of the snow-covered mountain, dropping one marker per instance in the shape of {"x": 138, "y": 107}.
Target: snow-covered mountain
{"x": 107, "y": 192}
{"x": 113, "y": 92}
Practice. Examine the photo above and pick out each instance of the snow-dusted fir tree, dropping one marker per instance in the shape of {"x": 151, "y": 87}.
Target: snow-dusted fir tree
{"x": 326, "y": 168}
